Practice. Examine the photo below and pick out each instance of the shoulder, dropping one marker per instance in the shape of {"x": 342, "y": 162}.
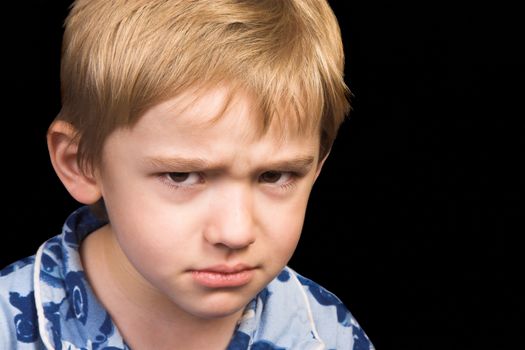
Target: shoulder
{"x": 18, "y": 320}
{"x": 330, "y": 320}
{"x": 16, "y": 279}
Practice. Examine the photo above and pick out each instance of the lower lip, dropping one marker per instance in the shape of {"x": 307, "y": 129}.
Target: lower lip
{"x": 212, "y": 279}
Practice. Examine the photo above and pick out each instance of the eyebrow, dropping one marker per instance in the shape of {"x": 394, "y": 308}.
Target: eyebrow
{"x": 301, "y": 164}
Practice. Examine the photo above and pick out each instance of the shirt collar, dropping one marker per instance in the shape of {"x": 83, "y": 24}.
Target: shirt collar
{"x": 69, "y": 315}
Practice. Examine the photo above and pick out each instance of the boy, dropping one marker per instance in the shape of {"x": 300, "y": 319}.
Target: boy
{"x": 193, "y": 131}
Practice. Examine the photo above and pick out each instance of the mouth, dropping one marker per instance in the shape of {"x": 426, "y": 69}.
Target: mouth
{"x": 223, "y": 276}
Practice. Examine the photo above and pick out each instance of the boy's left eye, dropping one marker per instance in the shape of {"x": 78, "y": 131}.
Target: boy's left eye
{"x": 275, "y": 177}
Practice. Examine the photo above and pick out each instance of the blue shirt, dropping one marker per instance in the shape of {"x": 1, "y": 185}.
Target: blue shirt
{"x": 47, "y": 303}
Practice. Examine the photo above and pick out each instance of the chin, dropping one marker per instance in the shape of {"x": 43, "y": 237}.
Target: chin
{"x": 219, "y": 306}
{"x": 218, "y": 312}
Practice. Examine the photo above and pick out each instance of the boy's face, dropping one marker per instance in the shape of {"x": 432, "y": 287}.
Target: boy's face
{"x": 206, "y": 213}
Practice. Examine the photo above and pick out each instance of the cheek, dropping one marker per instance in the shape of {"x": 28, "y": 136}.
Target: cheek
{"x": 284, "y": 223}
{"x": 151, "y": 235}
{"x": 141, "y": 217}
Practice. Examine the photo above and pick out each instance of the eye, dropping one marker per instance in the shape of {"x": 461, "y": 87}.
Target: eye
{"x": 180, "y": 179}
{"x": 276, "y": 177}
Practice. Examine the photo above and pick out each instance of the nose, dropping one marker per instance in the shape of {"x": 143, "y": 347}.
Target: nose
{"x": 232, "y": 218}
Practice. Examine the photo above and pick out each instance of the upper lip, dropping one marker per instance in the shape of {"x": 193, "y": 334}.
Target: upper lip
{"x": 223, "y": 268}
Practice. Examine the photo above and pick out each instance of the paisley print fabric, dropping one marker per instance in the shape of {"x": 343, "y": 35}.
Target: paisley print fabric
{"x": 46, "y": 303}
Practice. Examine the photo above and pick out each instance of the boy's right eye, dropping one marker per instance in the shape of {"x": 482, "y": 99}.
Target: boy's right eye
{"x": 178, "y": 177}
{"x": 182, "y": 179}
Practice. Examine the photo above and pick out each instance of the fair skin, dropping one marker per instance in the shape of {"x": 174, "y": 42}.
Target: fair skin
{"x": 186, "y": 196}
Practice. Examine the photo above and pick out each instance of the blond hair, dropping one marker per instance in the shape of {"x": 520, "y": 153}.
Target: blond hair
{"x": 121, "y": 57}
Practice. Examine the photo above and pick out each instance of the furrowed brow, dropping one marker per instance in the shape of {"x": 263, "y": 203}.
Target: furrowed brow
{"x": 299, "y": 164}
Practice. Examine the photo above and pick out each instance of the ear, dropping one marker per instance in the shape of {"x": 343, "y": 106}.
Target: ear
{"x": 63, "y": 151}
{"x": 320, "y": 164}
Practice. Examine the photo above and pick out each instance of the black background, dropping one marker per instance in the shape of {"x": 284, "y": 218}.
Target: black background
{"x": 416, "y": 221}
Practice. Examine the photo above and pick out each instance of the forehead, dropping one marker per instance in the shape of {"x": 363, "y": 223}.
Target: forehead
{"x": 220, "y": 123}
{"x": 224, "y": 108}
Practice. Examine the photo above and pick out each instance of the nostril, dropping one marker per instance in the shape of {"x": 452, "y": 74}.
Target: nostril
{"x": 233, "y": 237}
